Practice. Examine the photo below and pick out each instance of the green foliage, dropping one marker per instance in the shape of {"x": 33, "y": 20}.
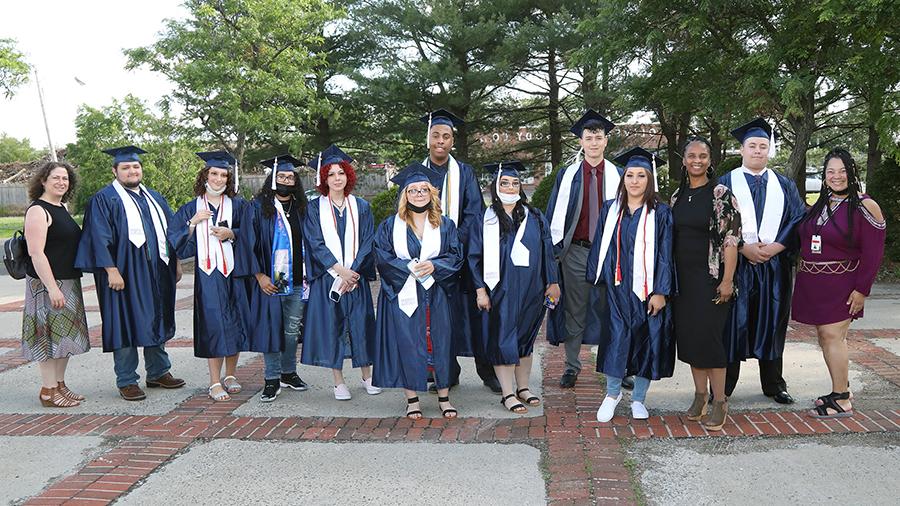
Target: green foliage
{"x": 884, "y": 187}
{"x": 13, "y": 68}
{"x": 384, "y": 204}
{"x": 15, "y": 150}
{"x": 728, "y": 165}
{"x": 541, "y": 195}
{"x": 170, "y": 165}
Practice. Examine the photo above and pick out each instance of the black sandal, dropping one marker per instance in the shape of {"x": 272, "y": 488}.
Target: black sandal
{"x": 517, "y": 408}
{"x": 410, "y": 401}
{"x": 830, "y": 402}
{"x": 532, "y": 400}
{"x": 445, "y": 412}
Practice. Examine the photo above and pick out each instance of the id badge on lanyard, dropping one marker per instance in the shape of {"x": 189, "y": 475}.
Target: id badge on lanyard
{"x": 815, "y": 244}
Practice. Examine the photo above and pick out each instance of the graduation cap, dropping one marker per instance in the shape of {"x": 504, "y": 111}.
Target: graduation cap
{"x": 222, "y": 160}
{"x": 281, "y": 163}
{"x": 440, "y": 117}
{"x": 756, "y": 128}
{"x": 639, "y": 157}
{"x": 331, "y": 154}
{"x": 511, "y": 168}
{"x": 417, "y": 173}
{"x": 124, "y": 154}
{"x": 591, "y": 116}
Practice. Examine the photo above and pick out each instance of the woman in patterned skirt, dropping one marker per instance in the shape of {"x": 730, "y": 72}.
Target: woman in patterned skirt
{"x": 54, "y": 326}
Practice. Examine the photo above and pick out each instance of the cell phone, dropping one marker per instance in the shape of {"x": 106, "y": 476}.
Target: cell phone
{"x": 223, "y": 223}
{"x": 334, "y": 296}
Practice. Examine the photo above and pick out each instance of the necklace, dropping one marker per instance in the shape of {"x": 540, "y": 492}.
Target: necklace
{"x": 287, "y": 214}
{"x": 695, "y": 191}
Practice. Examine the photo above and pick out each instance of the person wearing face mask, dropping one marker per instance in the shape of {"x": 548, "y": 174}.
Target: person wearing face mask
{"x": 515, "y": 276}
{"x": 205, "y": 229}
{"x": 707, "y": 232}
{"x": 135, "y": 268}
{"x": 841, "y": 246}
{"x": 273, "y": 240}
{"x": 418, "y": 254}
{"x": 633, "y": 256}
{"x": 770, "y": 208}
{"x": 340, "y": 316}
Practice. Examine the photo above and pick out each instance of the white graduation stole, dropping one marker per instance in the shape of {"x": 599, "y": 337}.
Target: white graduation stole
{"x": 610, "y": 186}
{"x": 450, "y": 190}
{"x": 644, "y": 259}
{"x": 136, "y": 225}
{"x": 213, "y": 254}
{"x": 753, "y": 232}
{"x": 491, "y": 249}
{"x": 408, "y": 298}
{"x": 328, "y": 222}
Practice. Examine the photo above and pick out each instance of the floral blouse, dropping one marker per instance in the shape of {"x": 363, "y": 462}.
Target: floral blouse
{"x": 724, "y": 227}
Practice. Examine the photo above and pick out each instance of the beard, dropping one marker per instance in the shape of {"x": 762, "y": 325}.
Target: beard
{"x": 132, "y": 185}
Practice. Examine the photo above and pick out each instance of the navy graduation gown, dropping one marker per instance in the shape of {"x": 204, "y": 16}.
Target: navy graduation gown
{"x": 401, "y": 350}
{"x": 346, "y": 329}
{"x": 638, "y": 344}
{"x": 509, "y": 329}
{"x": 143, "y": 313}
{"x": 758, "y": 321}
{"x": 220, "y": 303}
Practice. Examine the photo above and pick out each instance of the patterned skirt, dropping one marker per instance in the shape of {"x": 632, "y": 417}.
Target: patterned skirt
{"x": 53, "y": 333}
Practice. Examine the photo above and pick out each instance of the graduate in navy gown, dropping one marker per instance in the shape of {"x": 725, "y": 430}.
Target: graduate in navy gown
{"x": 205, "y": 229}
{"x": 633, "y": 256}
{"x": 340, "y": 316}
{"x": 461, "y": 201}
{"x": 272, "y": 234}
{"x": 418, "y": 254}
{"x": 514, "y": 272}
{"x": 124, "y": 244}
{"x": 770, "y": 209}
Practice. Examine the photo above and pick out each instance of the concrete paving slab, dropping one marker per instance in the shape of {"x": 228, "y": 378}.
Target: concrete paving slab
{"x": 889, "y": 344}
{"x": 91, "y": 374}
{"x": 11, "y": 325}
{"x": 471, "y": 397}
{"x": 881, "y": 313}
{"x": 348, "y": 473}
{"x": 845, "y": 469}
{"x": 184, "y": 324}
{"x": 31, "y": 463}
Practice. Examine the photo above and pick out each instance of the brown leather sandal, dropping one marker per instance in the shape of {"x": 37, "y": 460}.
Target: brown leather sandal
{"x": 68, "y": 394}
{"x": 52, "y": 398}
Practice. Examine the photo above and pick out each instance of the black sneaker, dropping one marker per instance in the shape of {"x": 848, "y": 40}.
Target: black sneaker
{"x": 293, "y": 382}
{"x": 270, "y": 391}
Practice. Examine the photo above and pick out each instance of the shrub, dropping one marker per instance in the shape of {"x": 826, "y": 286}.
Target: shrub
{"x": 884, "y": 187}
{"x": 384, "y": 204}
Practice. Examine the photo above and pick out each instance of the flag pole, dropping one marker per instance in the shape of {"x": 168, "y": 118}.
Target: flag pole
{"x": 44, "y": 114}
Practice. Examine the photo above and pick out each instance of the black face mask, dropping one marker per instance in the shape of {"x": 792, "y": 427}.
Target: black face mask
{"x": 284, "y": 190}
{"x": 418, "y": 209}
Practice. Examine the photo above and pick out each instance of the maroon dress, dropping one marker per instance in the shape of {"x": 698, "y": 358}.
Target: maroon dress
{"x": 825, "y": 280}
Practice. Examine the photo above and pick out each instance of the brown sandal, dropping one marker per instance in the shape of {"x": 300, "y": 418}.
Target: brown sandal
{"x": 52, "y": 398}
{"x": 68, "y": 394}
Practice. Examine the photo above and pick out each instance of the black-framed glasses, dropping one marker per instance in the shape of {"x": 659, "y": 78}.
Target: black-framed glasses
{"x": 417, "y": 191}
{"x": 510, "y": 184}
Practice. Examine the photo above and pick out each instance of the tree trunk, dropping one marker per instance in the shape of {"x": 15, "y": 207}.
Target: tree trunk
{"x": 874, "y": 152}
{"x": 804, "y": 125}
{"x": 715, "y": 139}
{"x": 553, "y": 109}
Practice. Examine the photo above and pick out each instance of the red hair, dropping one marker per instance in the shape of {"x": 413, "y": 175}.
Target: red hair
{"x": 348, "y": 171}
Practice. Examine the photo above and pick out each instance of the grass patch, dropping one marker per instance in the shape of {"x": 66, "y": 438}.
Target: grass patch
{"x": 9, "y": 224}
{"x": 639, "y": 498}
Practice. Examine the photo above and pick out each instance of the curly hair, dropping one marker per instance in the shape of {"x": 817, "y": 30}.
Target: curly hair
{"x": 36, "y": 184}
{"x": 434, "y": 214}
{"x": 266, "y": 197}
{"x": 203, "y": 175}
{"x": 348, "y": 171}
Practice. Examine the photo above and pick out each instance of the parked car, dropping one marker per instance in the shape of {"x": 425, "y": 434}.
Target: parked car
{"x": 813, "y": 184}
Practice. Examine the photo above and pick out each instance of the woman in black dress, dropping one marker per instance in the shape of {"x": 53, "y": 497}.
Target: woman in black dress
{"x": 707, "y": 232}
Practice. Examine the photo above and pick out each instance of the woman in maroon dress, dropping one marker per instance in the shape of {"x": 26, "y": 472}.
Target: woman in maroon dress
{"x": 841, "y": 245}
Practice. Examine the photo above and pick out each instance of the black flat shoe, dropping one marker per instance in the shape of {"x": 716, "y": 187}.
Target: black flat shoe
{"x": 782, "y": 397}
{"x": 493, "y": 384}
{"x": 568, "y": 379}
{"x": 628, "y": 382}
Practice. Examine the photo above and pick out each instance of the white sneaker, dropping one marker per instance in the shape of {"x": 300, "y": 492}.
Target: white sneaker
{"x": 370, "y": 389}
{"x": 342, "y": 393}
{"x": 608, "y": 408}
{"x": 639, "y": 411}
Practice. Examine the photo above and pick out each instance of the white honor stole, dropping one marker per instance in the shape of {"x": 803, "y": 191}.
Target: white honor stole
{"x": 136, "y": 224}
{"x": 346, "y": 255}
{"x": 611, "y": 179}
{"x": 408, "y": 298}
{"x": 213, "y": 254}
{"x": 450, "y": 190}
{"x": 644, "y": 260}
{"x": 754, "y": 232}
{"x": 491, "y": 249}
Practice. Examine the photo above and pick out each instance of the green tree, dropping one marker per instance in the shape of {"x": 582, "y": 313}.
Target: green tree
{"x": 15, "y": 150}
{"x": 170, "y": 165}
{"x": 13, "y": 67}
{"x": 241, "y": 67}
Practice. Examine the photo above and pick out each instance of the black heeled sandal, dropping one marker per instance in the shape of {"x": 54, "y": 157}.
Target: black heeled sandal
{"x": 447, "y": 413}
{"x": 532, "y": 400}
{"x": 409, "y": 402}
{"x": 830, "y": 402}
{"x": 517, "y": 408}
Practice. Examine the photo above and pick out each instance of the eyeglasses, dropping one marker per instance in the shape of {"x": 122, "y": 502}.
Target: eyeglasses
{"x": 285, "y": 178}
{"x": 507, "y": 184}
{"x": 417, "y": 191}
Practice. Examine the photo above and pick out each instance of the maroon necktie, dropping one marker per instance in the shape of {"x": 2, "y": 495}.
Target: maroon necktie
{"x": 594, "y": 204}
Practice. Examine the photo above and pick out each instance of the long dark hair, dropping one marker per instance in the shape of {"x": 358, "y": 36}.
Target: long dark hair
{"x": 508, "y": 225}
{"x": 684, "y": 182}
{"x": 825, "y": 193}
{"x": 203, "y": 176}
{"x": 266, "y": 196}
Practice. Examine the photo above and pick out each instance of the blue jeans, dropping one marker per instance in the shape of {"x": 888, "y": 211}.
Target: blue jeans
{"x": 156, "y": 362}
{"x": 641, "y": 385}
{"x": 293, "y": 310}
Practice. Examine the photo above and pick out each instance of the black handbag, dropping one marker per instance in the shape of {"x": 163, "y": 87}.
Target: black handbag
{"x": 15, "y": 255}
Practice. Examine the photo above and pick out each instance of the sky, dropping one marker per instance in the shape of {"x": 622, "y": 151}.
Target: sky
{"x": 66, "y": 39}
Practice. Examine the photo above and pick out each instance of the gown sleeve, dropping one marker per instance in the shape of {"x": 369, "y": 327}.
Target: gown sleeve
{"x": 448, "y": 263}
{"x": 393, "y": 270}
{"x": 248, "y": 240}
{"x": 98, "y": 239}
{"x": 872, "y": 235}
{"x": 594, "y": 254}
{"x": 364, "y": 263}
{"x": 476, "y": 252}
{"x": 550, "y": 270}
{"x": 793, "y": 213}
{"x": 662, "y": 274}
{"x": 474, "y": 206}
{"x": 551, "y": 205}
{"x": 180, "y": 235}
